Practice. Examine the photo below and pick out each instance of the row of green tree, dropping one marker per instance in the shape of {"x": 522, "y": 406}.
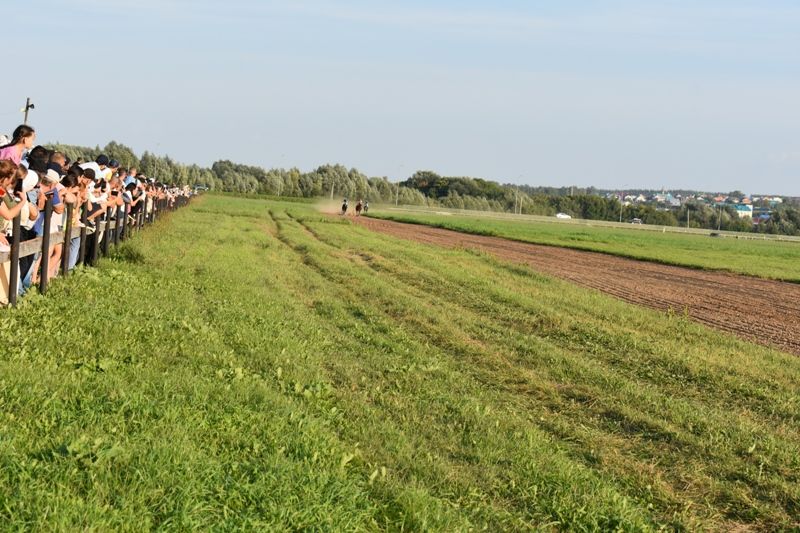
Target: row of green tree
{"x": 431, "y": 189}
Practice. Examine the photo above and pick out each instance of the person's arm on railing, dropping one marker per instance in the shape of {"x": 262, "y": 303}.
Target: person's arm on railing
{"x": 9, "y": 213}
{"x": 33, "y": 212}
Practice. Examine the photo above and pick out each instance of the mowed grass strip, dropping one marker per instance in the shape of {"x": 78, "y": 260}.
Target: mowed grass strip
{"x": 750, "y": 256}
{"x": 251, "y": 364}
{"x": 651, "y": 390}
{"x": 682, "y": 396}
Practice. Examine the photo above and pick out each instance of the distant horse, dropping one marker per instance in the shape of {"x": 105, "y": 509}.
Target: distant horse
{"x": 359, "y": 206}
{"x": 344, "y": 208}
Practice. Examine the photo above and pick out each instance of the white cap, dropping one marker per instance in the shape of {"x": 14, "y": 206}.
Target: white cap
{"x": 30, "y": 181}
{"x": 52, "y": 176}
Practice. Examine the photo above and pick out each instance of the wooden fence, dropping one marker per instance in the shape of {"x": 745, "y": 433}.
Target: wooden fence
{"x": 106, "y": 232}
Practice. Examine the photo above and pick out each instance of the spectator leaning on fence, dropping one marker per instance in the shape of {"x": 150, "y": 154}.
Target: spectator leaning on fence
{"x": 28, "y": 217}
{"x": 132, "y": 176}
{"x": 58, "y": 162}
{"x": 11, "y": 205}
{"x": 48, "y": 189}
{"x": 22, "y": 140}
{"x": 99, "y": 166}
{"x": 33, "y": 177}
{"x": 38, "y": 159}
{"x": 75, "y": 195}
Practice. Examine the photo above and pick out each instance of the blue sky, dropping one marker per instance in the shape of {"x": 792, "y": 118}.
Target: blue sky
{"x": 617, "y": 94}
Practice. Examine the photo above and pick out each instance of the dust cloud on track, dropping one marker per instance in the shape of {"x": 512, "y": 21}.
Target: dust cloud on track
{"x": 763, "y": 311}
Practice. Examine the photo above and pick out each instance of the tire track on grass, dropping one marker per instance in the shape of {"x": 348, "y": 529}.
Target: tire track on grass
{"x": 605, "y": 419}
{"x": 759, "y": 310}
{"x": 449, "y": 344}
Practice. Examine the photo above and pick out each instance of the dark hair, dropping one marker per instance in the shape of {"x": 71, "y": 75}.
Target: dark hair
{"x": 76, "y": 171}
{"x": 69, "y": 180}
{"x": 89, "y": 173}
{"x": 22, "y": 172}
{"x": 22, "y": 131}
{"x": 38, "y": 158}
{"x": 8, "y": 169}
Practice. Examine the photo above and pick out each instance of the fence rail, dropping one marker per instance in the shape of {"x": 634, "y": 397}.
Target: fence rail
{"x": 117, "y": 227}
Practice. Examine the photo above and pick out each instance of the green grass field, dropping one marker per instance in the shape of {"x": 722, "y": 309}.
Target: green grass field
{"x": 257, "y": 365}
{"x": 765, "y": 259}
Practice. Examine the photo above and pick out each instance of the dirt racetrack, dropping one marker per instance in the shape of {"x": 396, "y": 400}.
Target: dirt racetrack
{"x": 763, "y": 311}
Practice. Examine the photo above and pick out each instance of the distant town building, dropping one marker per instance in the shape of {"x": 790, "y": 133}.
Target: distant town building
{"x": 744, "y": 211}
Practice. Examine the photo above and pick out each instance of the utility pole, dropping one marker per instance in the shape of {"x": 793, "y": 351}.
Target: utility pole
{"x": 397, "y": 197}
{"x": 28, "y": 106}
{"x": 687, "y": 216}
{"x": 332, "y": 183}
{"x": 719, "y": 219}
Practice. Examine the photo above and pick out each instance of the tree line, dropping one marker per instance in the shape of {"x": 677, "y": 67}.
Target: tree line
{"x": 430, "y": 189}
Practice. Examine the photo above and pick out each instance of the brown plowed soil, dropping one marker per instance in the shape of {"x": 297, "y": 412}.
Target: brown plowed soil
{"x": 763, "y": 311}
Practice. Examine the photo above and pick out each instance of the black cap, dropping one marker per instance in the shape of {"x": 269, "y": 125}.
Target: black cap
{"x": 102, "y": 159}
{"x": 56, "y": 167}
{"x": 113, "y": 163}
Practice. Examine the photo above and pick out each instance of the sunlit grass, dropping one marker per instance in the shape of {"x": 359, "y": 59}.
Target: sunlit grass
{"x": 262, "y": 366}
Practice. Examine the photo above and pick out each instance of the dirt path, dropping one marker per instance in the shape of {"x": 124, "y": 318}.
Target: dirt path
{"x": 763, "y": 311}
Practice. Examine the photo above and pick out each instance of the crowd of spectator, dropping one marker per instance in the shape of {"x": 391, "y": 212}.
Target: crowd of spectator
{"x": 92, "y": 193}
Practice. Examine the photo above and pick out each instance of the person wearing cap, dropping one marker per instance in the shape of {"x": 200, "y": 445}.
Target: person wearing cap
{"x": 48, "y": 189}
{"x": 99, "y": 166}
{"x": 28, "y": 186}
{"x": 58, "y": 162}
{"x": 74, "y": 194}
{"x": 109, "y": 171}
{"x": 49, "y": 186}
{"x": 113, "y": 168}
